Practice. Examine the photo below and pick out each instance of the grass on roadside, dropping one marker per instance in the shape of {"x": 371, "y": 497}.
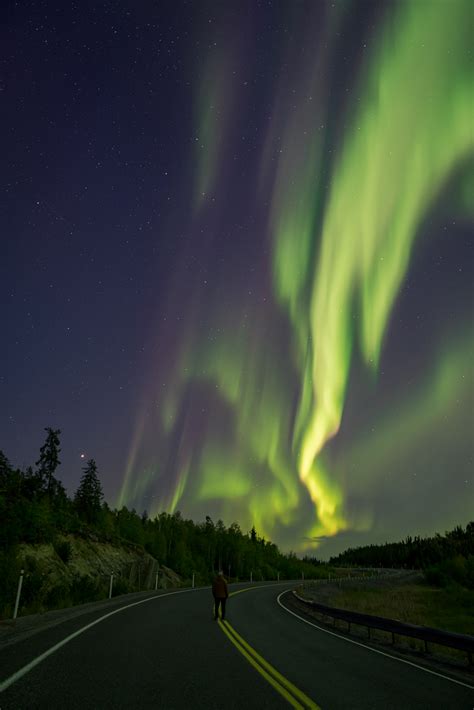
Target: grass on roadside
{"x": 451, "y": 608}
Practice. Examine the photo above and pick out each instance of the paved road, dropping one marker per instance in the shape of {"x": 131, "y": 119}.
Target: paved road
{"x": 167, "y": 652}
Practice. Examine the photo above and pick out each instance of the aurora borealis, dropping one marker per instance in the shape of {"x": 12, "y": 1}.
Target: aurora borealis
{"x": 281, "y": 230}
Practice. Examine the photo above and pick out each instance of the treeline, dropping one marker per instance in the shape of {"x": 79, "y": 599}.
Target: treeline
{"x": 443, "y": 558}
{"x": 34, "y": 508}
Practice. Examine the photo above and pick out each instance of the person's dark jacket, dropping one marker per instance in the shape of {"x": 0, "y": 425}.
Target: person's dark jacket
{"x": 219, "y": 588}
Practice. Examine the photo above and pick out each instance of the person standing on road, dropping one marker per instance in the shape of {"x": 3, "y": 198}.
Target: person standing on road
{"x": 220, "y": 594}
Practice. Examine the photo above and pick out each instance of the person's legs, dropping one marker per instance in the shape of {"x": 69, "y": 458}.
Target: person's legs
{"x": 223, "y": 601}
{"x": 216, "y": 608}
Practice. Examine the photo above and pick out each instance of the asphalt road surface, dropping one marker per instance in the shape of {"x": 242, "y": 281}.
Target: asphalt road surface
{"x": 166, "y": 651}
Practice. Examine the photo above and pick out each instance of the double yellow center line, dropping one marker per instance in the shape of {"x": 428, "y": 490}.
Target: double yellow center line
{"x": 295, "y": 697}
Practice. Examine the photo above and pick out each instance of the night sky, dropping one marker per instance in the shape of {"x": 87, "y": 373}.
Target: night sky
{"x": 237, "y": 259}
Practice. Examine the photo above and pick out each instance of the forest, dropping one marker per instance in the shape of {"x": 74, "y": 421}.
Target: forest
{"x": 35, "y": 508}
{"x": 443, "y": 558}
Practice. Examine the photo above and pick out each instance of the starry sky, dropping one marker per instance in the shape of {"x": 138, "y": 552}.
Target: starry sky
{"x": 237, "y": 258}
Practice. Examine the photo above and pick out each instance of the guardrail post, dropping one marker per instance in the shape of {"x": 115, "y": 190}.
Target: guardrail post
{"x": 111, "y": 585}
{"x": 18, "y": 593}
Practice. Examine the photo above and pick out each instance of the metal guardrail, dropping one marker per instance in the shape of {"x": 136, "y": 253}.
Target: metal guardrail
{"x": 461, "y": 642}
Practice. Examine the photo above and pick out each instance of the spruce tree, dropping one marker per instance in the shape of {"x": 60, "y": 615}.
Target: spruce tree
{"x": 89, "y": 495}
{"x": 5, "y": 472}
{"x": 49, "y": 461}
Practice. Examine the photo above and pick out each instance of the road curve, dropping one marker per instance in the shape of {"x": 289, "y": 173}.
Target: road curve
{"x": 167, "y": 652}
{"x": 335, "y": 673}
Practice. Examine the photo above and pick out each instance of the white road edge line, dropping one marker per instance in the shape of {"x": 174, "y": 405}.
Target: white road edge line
{"x": 369, "y": 648}
{"x": 32, "y": 664}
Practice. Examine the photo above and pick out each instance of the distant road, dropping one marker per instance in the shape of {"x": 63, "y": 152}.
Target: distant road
{"x": 167, "y": 652}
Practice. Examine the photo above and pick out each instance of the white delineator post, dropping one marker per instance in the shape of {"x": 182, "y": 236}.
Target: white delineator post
{"x": 18, "y": 593}
{"x": 111, "y": 585}
{"x": 156, "y": 581}
{"x": 193, "y": 580}
{"x": 251, "y": 573}
{"x": 278, "y": 576}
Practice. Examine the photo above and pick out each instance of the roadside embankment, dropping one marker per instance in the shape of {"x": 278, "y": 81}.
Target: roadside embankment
{"x": 78, "y": 569}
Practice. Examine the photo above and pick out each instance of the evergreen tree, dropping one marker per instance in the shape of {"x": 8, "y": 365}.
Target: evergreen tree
{"x": 49, "y": 461}
{"x": 6, "y": 473}
{"x": 89, "y": 495}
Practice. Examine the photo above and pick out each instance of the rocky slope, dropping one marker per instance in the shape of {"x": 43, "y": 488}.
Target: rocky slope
{"x": 78, "y": 569}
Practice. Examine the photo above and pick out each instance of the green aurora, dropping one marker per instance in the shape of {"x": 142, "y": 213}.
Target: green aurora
{"x": 257, "y": 388}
